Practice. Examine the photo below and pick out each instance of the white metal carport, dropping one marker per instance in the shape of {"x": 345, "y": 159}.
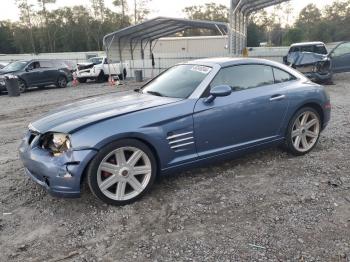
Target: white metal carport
{"x": 137, "y": 42}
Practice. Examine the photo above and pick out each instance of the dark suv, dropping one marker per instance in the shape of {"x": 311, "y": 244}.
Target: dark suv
{"x": 37, "y": 73}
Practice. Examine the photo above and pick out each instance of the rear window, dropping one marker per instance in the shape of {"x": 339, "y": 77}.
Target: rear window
{"x": 282, "y": 76}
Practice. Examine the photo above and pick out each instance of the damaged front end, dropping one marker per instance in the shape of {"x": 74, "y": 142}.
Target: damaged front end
{"x": 316, "y": 67}
{"x": 85, "y": 66}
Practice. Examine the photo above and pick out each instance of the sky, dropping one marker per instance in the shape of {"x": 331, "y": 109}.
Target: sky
{"x": 172, "y": 8}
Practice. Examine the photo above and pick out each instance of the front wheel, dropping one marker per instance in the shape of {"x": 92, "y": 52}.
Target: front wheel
{"x": 122, "y": 172}
{"x": 303, "y": 131}
{"x": 22, "y": 86}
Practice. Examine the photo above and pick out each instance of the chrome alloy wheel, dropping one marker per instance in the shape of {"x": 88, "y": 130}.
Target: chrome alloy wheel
{"x": 124, "y": 173}
{"x": 305, "y": 131}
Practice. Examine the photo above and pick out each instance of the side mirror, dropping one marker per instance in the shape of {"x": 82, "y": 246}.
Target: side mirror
{"x": 218, "y": 91}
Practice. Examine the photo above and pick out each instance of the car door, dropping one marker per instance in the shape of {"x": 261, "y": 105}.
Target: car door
{"x": 32, "y": 74}
{"x": 49, "y": 71}
{"x": 251, "y": 115}
{"x": 340, "y": 57}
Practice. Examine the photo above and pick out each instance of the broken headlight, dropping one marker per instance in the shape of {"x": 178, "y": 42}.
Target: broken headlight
{"x": 56, "y": 143}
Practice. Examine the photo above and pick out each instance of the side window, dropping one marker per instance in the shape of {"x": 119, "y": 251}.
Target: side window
{"x": 320, "y": 49}
{"x": 282, "y": 76}
{"x": 342, "y": 49}
{"x": 34, "y": 65}
{"x": 46, "y": 64}
{"x": 243, "y": 77}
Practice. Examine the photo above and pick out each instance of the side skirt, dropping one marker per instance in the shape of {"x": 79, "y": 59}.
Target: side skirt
{"x": 220, "y": 157}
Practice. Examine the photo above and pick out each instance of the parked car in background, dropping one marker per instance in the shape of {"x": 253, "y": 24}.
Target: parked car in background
{"x": 37, "y": 73}
{"x": 99, "y": 69}
{"x": 313, "y": 60}
{"x": 192, "y": 114}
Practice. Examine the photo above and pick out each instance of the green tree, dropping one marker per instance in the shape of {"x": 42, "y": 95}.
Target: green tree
{"x": 123, "y": 5}
{"x": 26, "y": 18}
{"x": 255, "y": 35}
{"x": 210, "y": 12}
{"x": 45, "y": 15}
{"x": 141, "y": 10}
{"x": 309, "y": 17}
{"x": 293, "y": 35}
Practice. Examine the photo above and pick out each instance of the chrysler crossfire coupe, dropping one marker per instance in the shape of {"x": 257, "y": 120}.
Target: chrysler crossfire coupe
{"x": 190, "y": 115}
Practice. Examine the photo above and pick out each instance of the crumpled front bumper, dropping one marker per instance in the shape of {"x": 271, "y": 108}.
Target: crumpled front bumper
{"x": 86, "y": 73}
{"x": 60, "y": 176}
{"x": 317, "y": 77}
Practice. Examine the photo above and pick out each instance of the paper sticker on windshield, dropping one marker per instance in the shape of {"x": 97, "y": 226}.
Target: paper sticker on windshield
{"x": 201, "y": 69}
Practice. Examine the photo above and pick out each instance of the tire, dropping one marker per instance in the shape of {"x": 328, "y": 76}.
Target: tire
{"x": 303, "y": 131}
{"x": 22, "y": 86}
{"x": 82, "y": 80}
{"x": 117, "y": 184}
{"x": 62, "y": 82}
{"x": 101, "y": 77}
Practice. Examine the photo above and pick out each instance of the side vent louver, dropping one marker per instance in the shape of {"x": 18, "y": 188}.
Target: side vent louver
{"x": 181, "y": 140}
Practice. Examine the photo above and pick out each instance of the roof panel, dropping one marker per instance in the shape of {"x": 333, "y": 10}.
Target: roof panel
{"x": 161, "y": 26}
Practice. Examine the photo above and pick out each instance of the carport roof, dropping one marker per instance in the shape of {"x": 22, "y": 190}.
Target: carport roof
{"x": 161, "y": 27}
{"x": 250, "y": 6}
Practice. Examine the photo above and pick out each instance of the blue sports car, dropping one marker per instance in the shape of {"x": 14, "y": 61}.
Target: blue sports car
{"x": 190, "y": 115}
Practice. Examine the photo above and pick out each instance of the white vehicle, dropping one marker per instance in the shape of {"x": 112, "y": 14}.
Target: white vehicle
{"x": 98, "y": 68}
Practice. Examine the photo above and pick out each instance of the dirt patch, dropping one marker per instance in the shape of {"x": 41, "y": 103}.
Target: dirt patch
{"x": 265, "y": 206}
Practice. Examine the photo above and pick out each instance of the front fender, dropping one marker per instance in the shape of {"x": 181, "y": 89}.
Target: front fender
{"x": 154, "y": 126}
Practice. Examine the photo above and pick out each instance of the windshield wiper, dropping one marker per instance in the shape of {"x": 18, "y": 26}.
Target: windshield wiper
{"x": 155, "y": 93}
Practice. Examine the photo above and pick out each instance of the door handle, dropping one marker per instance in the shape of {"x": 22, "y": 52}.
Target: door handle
{"x": 277, "y": 97}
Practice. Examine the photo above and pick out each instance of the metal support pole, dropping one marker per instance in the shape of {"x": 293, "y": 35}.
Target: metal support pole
{"x": 108, "y": 46}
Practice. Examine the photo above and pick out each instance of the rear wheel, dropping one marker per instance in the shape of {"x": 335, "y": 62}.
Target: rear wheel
{"x": 62, "y": 82}
{"x": 303, "y": 131}
{"x": 122, "y": 172}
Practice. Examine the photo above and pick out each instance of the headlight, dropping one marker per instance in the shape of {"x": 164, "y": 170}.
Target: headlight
{"x": 57, "y": 143}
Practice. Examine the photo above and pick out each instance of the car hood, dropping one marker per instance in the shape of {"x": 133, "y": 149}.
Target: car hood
{"x": 305, "y": 58}
{"x": 72, "y": 117}
{"x": 85, "y": 63}
{"x": 3, "y": 72}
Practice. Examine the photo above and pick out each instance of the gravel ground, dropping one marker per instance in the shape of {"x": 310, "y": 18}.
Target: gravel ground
{"x": 267, "y": 206}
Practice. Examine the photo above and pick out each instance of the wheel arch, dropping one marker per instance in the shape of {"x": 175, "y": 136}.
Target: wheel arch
{"x": 134, "y": 137}
{"x": 316, "y": 106}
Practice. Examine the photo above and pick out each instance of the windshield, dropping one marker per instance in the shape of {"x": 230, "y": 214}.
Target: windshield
{"x": 179, "y": 81}
{"x": 15, "y": 66}
{"x": 318, "y": 49}
{"x": 96, "y": 60}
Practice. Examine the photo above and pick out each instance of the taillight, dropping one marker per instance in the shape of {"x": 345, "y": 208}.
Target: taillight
{"x": 328, "y": 105}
